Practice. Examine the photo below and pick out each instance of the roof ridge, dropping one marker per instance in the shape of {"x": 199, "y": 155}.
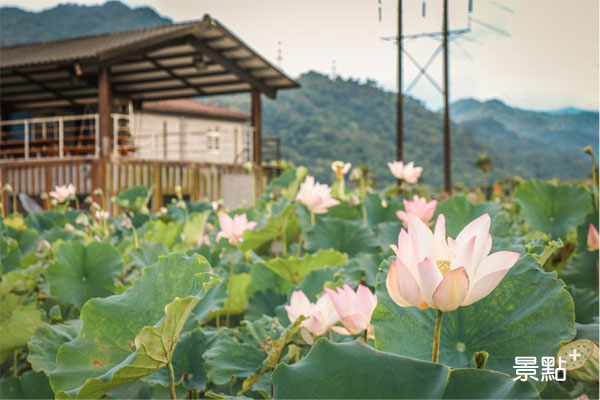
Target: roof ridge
{"x": 98, "y": 35}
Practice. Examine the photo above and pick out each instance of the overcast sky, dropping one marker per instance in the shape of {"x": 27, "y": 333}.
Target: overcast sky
{"x": 545, "y": 55}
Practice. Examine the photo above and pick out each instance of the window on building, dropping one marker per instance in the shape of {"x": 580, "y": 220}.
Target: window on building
{"x": 213, "y": 139}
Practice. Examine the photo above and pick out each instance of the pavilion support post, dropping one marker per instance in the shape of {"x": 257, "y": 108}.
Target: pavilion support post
{"x": 105, "y": 125}
{"x": 256, "y": 118}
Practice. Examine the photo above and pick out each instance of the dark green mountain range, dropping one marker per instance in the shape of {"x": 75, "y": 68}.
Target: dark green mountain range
{"x": 19, "y": 26}
{"x": 328, "y": 119}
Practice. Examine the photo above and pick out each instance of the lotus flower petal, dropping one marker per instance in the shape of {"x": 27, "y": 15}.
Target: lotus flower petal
{"x": 452, "y": 291}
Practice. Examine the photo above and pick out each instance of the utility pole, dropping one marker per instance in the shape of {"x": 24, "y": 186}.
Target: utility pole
{"x": 399, "y": 102}
{"x": 447, "y": 162}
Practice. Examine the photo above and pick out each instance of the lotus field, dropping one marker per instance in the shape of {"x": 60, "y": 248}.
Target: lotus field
{"x": 318, "y": 291}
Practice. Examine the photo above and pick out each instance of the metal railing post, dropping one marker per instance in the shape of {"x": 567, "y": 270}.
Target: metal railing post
{"x": 26, "y": 132}
{"x": 115, "y": 136}
{"x": 96, "y": 135}
{"x": 61, "y": 138}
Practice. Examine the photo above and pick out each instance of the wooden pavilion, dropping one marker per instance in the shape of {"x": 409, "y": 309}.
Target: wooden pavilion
{"x": 64, "y": 107}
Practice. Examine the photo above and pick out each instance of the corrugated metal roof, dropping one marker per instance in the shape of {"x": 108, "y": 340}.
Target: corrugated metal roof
{"x": 84, "y": 47}
{"x": 192, "y": 106}
{"x": 198, "y": 58}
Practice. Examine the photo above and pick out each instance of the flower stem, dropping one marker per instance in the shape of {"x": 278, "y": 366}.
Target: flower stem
{"x": 172, "y": 391}
{"x": 436, "y": 337}
{"x": 231, "y": 267}
{"x": 300, "y": 243}
{"x": 15, "y": 362}
{"x": 312, "y": 218}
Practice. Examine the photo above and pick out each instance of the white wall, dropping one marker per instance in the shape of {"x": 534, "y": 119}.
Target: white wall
{"x": 189, "y": 138}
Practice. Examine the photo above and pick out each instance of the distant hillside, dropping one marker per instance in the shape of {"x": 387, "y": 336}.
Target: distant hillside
{"x": 567, "y": 130}
{"x": 326, "y": 120}
{"x": 19, "y": 26}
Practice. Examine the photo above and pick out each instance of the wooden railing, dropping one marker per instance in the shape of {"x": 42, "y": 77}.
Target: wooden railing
{"x": 231, "y": 183}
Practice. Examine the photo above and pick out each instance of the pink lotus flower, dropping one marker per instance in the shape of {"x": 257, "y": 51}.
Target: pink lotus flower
{"x": 407, "y": 172}
{"x": 431, "y": 271}
{"x": 233, "y": 228}
{"x": 592, "y": 238}
{"x": 355, "y": 309}
{"x": 63, "y": 193}
{"x": 419, "y": 207}
{"x": 321, "y": 316}
{"x": 316, "y": 196}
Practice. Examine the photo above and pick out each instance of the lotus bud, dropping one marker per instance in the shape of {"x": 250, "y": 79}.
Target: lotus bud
{"x": 95, "y": 207}
{"x": 126, "y": 223}
{"x": 88, "y": 200}
{"x": 356, "y": 174}
{"x": 82, "y": 219}
{"x": 588, "y": 150}
{"x": 43, "y": 246}
{"x": 580, "y": 359}
{"x": 98, "y": 192}
{"x": 276, "y": 247}
{"x": 479, "y": 359}
{"x": 55, "y": 313}
{"x": 384, "y": 203}
{"x": 354, "y": 200}
{"x": 178, "y": 190}
{"x": 8, "y": 188}
{"x": 44, "y": 196}
{"x": 19, "y": 288}
{"x": 69, "y": 228}
{"x": 53, "y": 202}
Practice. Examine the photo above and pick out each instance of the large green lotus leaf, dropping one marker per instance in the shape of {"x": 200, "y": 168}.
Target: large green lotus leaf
{"x": 294, "y": 269}
{"x": 10, "y": 255}
{"x": 529, "y": 313}
{"x": 387, "y": 233}
{"x": 134, "y": 199}
{"x": 285, "y": 222}
{"x": 46, "y": 341}
{"x": 128, "y": 336}
{"x": 15, "y": 288}
{"x": 586, "y": 304}
{"x": 17, "y": 330}
{"x": 354, "y": 370}
{"x": 194, "y": 228}
{"x": 211, "y": 303}
{"x": 263, "y": 302}
{"x": 240, "y": 352}
{"x": 345, "y": 211}
{"x": 30, "y": 385}
{"x": 581, "y": 271}
{"x": 459, "y": 211}
{"x": 236, "y": 293}
{"x": 147, "y": 253}
{"x": 263, "y": 278}
{"x": 377, "y": 213}
{"x": 159, "y": 231}
{"x": 588, "y": 331}
{"x": 27, "y": 239}
{"x": 188, "y": 366}
{"x": 342, "y": 235}
{"x": 553, "y": 209}
{"x": 82, "y": 272}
